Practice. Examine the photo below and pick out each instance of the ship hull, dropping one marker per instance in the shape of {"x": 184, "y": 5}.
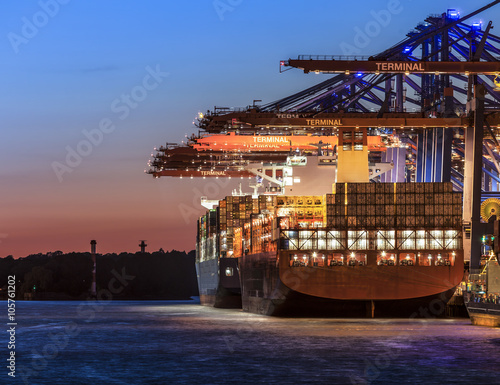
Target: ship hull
{"x": 294, "y": 304}
{"x": 216, "y": 288}
{"x": 484, "y": 314}
{"x": 271, "y": 287}
{"x": 262, "y": 284}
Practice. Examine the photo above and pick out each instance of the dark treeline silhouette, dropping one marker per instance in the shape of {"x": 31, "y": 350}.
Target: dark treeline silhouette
{"x": 157, "y": 275}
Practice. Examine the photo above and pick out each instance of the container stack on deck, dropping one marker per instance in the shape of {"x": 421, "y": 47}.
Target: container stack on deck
{"x": 206, "y": 239}
{"x": 235, "y": 211}
{"x": 404, "y": 216}
{"x": 308, "y": 210}
{"x": 398, "y": 205}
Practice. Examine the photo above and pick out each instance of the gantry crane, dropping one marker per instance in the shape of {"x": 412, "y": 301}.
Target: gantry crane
{"x": 433, "y": 93}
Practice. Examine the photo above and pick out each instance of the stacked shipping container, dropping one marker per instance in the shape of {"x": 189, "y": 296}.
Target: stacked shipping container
{"x": 386, "y": 210}
{"x": 207, "y": 235}
{"x": 305, "y": 209}
{"x": 393, "y": 205}
{"x": 235, "y": 211}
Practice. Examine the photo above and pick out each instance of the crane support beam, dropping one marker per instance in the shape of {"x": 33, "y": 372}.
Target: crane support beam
{"x": 317, "y": 122}
{"x": 203, "y": 173}
{"x": 317, "y": 64}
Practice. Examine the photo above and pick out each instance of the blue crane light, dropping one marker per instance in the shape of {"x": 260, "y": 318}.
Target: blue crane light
{"x": 407, "y": 49}
{"x": 477, "y": 26}
{"x": 453, "y": 14}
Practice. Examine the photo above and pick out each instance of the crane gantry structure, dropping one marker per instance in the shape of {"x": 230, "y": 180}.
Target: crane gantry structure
{"x": 430, "y": 106}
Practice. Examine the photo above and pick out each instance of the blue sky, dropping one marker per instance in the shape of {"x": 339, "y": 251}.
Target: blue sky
{"x": 61, "y": 78}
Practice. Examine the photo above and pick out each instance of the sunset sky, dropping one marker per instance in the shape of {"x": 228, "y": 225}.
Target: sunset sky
{"x": 128, "y": 76}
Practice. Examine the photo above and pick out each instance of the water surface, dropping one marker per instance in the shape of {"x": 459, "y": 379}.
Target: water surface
{"x": 124, "y": 342}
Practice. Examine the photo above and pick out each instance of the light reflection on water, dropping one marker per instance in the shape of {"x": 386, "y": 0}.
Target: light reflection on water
{"x": 183, "y": 343}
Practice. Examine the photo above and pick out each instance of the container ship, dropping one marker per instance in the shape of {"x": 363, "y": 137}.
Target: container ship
{"x": 358, "y": 249}
{"x": 292, "y": 255}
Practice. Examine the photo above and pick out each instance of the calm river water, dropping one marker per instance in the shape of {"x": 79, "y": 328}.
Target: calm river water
{"x": 123, "y": 342}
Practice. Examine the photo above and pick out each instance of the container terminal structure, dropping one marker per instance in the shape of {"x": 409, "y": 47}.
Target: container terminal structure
{"x": 367, "y": 187}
